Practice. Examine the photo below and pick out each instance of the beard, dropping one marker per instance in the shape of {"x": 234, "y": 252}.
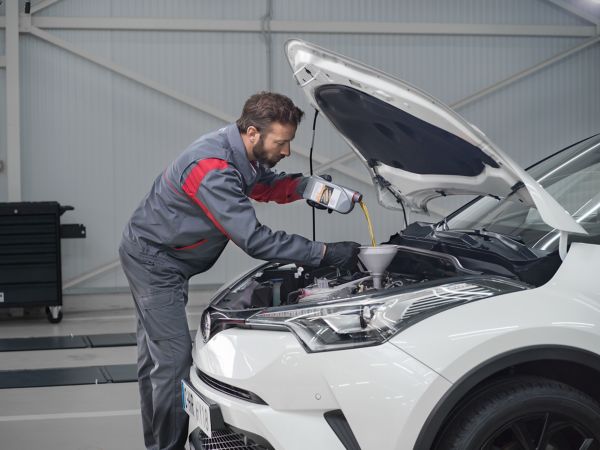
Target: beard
{"x": 262, "y": 156}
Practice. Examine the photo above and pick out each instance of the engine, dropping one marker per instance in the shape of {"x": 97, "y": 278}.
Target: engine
{"x": 276, "y": 284}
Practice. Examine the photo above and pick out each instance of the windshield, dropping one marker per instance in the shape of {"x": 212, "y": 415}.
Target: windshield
{"x": 571, "y": 176}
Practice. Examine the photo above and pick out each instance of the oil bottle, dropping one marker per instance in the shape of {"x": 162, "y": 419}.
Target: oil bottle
{"x": 330, "y": 195}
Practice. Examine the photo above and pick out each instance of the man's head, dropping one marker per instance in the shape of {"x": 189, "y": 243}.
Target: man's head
{"x": 268, "y": 125}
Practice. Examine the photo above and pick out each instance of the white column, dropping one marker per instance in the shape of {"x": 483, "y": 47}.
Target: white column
{"x": 13, "y": 112}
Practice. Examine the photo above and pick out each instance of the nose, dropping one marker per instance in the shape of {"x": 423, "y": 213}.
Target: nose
{"x": 286, "y": 151}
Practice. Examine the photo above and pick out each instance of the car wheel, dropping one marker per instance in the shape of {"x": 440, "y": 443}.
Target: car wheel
{"x": 526, "y": 413}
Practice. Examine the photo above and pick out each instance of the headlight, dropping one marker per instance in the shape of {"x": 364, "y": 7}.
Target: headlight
{"x": 365, "y": 321}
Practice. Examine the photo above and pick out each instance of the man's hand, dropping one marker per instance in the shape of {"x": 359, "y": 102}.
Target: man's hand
{"x": 312, "y": 204}
{"x": 341, "y": 254}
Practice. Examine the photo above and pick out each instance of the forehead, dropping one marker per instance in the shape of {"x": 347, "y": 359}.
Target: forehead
{"x": 281, "y": 131}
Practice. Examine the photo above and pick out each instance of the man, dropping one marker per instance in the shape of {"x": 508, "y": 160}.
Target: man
{"x": 195, "y": 207}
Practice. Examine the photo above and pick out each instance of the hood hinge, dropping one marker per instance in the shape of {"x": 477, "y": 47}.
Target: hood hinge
{"x": 383, "y": 183}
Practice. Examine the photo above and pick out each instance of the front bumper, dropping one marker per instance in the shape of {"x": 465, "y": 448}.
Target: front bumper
{"x": 375, "y": 388}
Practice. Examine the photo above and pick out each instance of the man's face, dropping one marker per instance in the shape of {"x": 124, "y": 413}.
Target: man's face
{"x": 274, "y": 144}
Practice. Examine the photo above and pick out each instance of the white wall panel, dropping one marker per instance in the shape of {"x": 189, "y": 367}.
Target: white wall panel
{"x": 426, "y": 11}
{"x": 78, "y": 8}
{"x": 222, "y": 9}
{"x": 67, "y": 148}
{"x": 95, "y": 140}
{"x": 220, "y": 69}
{"x": 538, "y": 115}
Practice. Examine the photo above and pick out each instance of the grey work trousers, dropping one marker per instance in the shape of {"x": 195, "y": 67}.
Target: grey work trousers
{"x": 163, "y": 343}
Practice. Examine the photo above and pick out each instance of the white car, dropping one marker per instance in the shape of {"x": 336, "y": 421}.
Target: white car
{"x": 485, "y": 333}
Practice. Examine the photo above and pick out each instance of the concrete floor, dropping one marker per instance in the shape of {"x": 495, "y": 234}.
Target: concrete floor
{"x": 85, "y": 417}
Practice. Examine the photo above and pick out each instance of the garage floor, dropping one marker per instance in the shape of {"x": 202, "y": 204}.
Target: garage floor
{"x": 77, "y": 417}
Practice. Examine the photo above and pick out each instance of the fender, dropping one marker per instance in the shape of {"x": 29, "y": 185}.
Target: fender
{"x": 438, "y": 415}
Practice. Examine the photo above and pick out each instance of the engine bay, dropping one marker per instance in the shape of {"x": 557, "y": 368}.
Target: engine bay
{"x": 277, "y": 284}
{"x": 425, "y": 254}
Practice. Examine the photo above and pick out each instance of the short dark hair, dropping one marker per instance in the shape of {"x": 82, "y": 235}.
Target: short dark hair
{"x": 264, "y": 108}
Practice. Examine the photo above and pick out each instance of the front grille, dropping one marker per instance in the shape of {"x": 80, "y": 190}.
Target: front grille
{"x": 228, "y": 439}
{"x": 230, "y": 390}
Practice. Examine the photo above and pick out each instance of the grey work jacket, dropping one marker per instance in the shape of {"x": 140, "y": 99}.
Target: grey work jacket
{"x": 202, "y": 200}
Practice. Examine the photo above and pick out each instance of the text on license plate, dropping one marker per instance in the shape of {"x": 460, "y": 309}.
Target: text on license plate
{"x": 196, "y": 407}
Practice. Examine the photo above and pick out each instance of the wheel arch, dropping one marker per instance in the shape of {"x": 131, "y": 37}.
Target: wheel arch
{"x": 571, "y": 365}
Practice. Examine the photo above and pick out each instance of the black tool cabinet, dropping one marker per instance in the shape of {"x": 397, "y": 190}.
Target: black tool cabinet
{"x": 30, "y": 260}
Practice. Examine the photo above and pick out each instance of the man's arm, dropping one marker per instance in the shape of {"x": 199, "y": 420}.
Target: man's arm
{"x": 217, "y": 189}
{"x": 278, "y": 187}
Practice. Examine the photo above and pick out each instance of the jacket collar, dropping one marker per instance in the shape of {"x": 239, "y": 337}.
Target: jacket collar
{"x": 248, "y": 169}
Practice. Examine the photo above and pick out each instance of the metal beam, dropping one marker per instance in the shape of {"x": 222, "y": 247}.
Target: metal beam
{"x": 288, "y": 26}
{"x": 573, "y": 9}
{"x": 42, "y": 5}
{"x": 92, "y": 274}
{"x": 429, "y": 29}
{"x": 524, "y": 73}
{"x": 334, "y": 162}
{"x": 13, "y": 110}
{"x": 2, "y": 61}
{"x": 131, "y": 75}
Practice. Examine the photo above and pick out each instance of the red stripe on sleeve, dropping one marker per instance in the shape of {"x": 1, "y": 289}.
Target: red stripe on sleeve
{"x": 282, "y": 191}
{"x": 194, "y": 179}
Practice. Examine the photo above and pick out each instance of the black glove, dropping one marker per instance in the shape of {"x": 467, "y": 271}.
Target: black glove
{"x": 317, "y": 205}
{"x": 341, "y": 254}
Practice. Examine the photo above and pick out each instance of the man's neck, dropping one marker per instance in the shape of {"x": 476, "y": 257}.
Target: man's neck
{"x": 248, "y": 147}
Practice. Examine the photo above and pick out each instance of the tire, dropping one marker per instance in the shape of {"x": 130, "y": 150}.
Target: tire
{"x": 526, "y": 413}
{"x": 54, "y": 318}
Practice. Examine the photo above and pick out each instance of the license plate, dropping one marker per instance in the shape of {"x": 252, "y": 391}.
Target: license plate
{"x": 206, "y": 414}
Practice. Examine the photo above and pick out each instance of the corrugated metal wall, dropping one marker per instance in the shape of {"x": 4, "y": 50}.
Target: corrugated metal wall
{"x": 95, "y": 140}
{"x": 3, "y": 179}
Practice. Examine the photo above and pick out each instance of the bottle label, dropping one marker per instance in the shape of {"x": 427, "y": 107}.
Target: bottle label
{"x": 325, "y": 195}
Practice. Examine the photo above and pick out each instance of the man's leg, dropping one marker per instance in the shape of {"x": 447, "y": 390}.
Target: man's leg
{"x": 164, "y": 346}
{"x": 137, "y": 276}
{"x": 173, "y": 358}
{"x": 144, "y": 366}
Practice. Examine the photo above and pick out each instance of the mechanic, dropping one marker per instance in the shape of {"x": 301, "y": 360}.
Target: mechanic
{"x": 194, "y": 208}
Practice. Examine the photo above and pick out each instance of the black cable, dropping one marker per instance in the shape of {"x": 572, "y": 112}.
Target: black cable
{"x": 310, "y": 161}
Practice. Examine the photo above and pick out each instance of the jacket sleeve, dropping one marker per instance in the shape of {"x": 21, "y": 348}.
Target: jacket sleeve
{"x": 217, "y": 188}
{"x": 278, "y": 187}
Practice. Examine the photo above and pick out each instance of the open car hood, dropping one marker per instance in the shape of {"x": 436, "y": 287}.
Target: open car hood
{"x": 414, "y": 147}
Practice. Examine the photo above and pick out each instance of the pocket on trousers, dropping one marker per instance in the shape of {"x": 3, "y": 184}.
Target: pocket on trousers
{"x": 164, "y": 315}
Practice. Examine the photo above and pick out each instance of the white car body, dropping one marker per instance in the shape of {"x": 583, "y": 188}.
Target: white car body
{"x": 398, "y": 394}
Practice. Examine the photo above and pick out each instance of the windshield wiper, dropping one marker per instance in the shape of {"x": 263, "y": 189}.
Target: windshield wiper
{"x": 513, "y": 243}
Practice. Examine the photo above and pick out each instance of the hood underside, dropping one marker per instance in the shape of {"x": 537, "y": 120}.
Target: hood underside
{"x": 414, "y": 147}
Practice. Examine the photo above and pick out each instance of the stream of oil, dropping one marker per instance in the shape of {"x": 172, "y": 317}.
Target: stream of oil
{"x": 363, "y": 205}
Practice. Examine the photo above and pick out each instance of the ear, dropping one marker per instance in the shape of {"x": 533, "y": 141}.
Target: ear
{"x": 253, "y": 134}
